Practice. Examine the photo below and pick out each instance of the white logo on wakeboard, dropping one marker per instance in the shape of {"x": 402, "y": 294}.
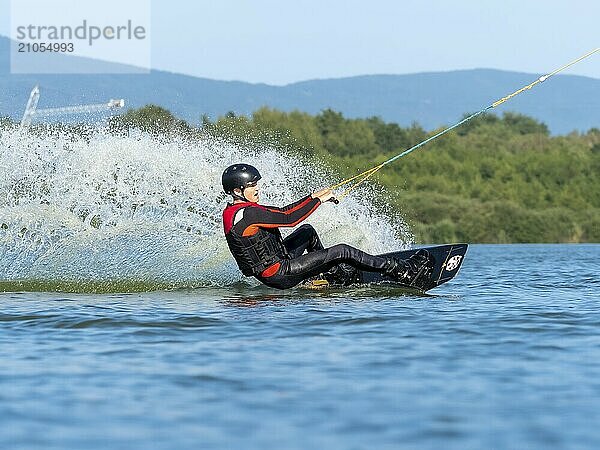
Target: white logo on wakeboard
{"x": 453, "y": 263}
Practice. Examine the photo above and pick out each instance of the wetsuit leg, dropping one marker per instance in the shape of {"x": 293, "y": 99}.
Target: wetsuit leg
{"x": 304, "y": 238}
{"x": 296, "y": 270}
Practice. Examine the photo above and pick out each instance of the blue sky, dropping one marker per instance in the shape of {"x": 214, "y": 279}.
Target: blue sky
{"x": 278, "y": 42}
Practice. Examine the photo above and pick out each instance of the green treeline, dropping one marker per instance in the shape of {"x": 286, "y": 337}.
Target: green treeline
{"x": 495, "y": 179}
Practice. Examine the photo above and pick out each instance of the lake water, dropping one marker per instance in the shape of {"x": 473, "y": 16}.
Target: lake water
{"x": 507, "y": 355}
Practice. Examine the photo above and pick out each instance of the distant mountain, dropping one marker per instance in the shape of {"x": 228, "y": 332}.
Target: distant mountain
{"x": 564, "y": 103}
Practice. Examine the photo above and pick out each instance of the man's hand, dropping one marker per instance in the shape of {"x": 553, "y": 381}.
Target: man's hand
{"x": 324, "y": 195}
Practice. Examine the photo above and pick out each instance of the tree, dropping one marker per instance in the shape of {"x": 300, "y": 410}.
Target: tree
{"x": 153, "y": 119}
{"x": 523, "y": 124}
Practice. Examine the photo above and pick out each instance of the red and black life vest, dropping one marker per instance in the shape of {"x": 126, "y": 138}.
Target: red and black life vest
{"x": 254, "y": 253}
{"x": 253, "y": 236}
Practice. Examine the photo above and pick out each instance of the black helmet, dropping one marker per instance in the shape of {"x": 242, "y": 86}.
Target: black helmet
{"x": 239, "y": 176}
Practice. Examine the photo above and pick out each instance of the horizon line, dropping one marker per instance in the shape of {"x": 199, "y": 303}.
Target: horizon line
{"x": 291, "y": 83}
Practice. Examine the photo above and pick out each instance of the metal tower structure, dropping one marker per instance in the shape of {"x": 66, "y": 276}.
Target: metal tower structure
{"x": 32, "y": 111}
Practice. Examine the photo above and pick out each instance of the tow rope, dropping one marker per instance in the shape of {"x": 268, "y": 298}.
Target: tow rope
{"x": 368, "y": 173}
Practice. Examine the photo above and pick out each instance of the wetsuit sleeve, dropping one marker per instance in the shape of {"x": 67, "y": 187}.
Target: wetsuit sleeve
{"x": 262, "y": 217}
{"x": 291, "y": 206}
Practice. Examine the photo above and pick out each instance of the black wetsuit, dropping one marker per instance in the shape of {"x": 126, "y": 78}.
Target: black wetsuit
{"x": 252, "y": 233}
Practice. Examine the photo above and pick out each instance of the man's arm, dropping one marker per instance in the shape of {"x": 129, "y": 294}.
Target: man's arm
{"x": 324, "y": 195}
{"x": 291, "y": 206}
{"x": 261, "y": 217}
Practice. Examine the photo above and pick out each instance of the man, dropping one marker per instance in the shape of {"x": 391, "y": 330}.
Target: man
{"x": 253, "y": 236}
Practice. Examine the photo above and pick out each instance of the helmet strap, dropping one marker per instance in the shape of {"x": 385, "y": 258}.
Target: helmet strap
{"x": 239, "y": 197}
{"x": 244, "y": 197}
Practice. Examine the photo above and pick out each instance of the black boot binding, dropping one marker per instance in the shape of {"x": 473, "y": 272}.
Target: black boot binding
{"x": 414, "y": 271}
{"x": 342, "y": 274}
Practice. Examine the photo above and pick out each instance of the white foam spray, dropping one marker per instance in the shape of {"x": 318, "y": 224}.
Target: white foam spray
{"x": 110, "y": 209}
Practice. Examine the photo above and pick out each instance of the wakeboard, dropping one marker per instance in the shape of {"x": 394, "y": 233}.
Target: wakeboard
{"x": 444, "y": 264}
